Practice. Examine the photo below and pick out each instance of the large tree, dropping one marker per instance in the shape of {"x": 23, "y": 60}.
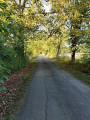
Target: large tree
{"x": 74, "y": 13}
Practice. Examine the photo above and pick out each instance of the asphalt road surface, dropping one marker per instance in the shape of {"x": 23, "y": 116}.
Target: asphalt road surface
{"x": 55, "y": 94}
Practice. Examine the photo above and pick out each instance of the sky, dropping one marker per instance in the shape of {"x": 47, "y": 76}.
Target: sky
{"x": 47, "y": 8}
{"x": 47, "y": 5}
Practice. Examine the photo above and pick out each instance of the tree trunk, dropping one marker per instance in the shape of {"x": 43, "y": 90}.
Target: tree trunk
{"x": 20, "y": 4}
{"x": 58, "y": 50}
{"x": 73, "y": 48}
{"x": 73, "y": 55}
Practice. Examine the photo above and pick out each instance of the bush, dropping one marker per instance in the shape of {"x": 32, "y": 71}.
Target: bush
{"x": 86, "y": 62}
{"x": 3, "y": 76}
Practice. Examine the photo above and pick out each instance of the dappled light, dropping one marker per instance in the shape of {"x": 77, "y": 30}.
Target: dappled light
{"x": 33, "y": 29}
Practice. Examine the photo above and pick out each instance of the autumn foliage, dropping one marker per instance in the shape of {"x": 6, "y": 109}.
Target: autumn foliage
{"x": 13, "y": 86}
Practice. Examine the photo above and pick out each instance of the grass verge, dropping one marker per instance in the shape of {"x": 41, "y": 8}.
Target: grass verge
{"x": 77, "y": 69}
{"x": 14, "y": 96}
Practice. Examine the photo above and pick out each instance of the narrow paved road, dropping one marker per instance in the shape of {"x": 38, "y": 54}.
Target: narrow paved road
{"x": 54, "y": 94}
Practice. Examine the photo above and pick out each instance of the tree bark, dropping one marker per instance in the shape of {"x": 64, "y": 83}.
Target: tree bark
{"x": 58, "y": 50}
{"x": 73, "y": 48}
{"x": 73, "y": 55}
{"x": 20, "y": 4}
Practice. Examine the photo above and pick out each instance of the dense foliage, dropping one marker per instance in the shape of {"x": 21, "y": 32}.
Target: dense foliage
{"x": 27, "y": 29}
{"x": 12, "y": 54}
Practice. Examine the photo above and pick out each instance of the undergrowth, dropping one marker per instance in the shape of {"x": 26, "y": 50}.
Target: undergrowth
{"x": 79, "y": 68}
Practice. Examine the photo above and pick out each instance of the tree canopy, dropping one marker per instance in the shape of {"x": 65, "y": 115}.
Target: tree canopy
{"x": 27, "y": 28}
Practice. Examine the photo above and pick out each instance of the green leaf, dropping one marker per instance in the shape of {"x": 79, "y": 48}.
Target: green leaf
{"x": 4, "y": 76}
{"x": 1, "y": 82}
{"x": 1, "y": 78}
{"x": 8, "y": 30}
{"x": 2, "y": 88}
{"x": 0, "y": 67}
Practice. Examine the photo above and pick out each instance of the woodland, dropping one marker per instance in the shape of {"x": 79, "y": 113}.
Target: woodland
{"x": 28, "y": 29}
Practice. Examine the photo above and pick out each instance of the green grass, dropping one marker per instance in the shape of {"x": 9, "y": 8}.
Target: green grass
{"x": 78, "y": 55}
{"x": 78, "y": 69}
